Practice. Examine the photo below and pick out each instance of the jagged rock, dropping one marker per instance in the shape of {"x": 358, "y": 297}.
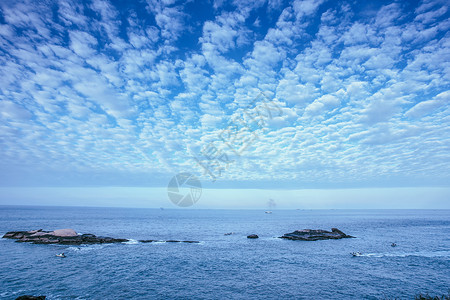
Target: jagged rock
{"x": 60, "y": 236}
{"x": 252, "y": 236}
{"x": 315, "y": 235}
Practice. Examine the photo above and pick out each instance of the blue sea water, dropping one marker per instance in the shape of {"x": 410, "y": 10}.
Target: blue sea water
{"x": 232, "y": 267}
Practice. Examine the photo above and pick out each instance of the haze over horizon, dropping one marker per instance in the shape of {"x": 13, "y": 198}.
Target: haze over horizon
{"x": 311, "y": 103}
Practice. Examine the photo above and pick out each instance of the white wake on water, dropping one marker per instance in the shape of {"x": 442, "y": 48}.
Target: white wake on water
{"x": 406, "y": 254}
{"x": 86, "y": 248}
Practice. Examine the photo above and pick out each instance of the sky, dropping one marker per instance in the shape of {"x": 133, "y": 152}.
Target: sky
{"x": 254, "y": 98}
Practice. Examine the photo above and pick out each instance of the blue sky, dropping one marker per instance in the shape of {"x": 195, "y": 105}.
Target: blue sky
{"x": 127, "y": 93}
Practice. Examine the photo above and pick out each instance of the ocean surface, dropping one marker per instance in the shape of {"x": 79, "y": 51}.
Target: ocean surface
{"x": 228, "y": 267}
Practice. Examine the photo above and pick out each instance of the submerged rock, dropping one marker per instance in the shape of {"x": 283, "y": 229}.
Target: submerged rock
{"x": 315, "y": 235}
{"x": 60, "y": 236}
{"x": 252, "y": 236}
{"x": 149, "y": 241}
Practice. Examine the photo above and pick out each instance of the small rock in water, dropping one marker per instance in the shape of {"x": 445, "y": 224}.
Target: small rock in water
{"x": 27, "y": 297}
{"x": 252, "y": 236}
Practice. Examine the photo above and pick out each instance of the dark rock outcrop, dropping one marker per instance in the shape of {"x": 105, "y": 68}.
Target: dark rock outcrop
{"x": 252, "y": 236}
{"x": 61, "y": 236}
{"x": 315, "y": 235}
{"x": 27, "y": 297}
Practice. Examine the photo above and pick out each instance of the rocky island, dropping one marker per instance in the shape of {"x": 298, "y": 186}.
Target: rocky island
{"x": 60, "y": 236}
{"x": 70, "y": 237}
{"x": 315, "y": 235}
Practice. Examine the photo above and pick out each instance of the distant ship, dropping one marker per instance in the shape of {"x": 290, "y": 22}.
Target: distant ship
{"x": 268, "y": 212}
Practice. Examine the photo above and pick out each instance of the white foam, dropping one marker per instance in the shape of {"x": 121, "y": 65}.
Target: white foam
{"x": 273, "y": 239}
{"x": 85, "y": 248}
{"x": 131, "y": 242}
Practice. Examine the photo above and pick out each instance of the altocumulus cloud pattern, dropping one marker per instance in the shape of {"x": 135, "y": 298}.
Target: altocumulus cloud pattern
{"x": 127, "y": 92}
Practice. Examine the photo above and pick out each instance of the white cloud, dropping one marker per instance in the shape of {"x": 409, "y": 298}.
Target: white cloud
{"x": 14, "y": 112}
{"x": 382, "y": 107}
{"x": 431, "y": 16}
{"x": 304, "y": 8}
{"x": 426, "y": 107}
{"x": 69, "y": 12}
{"x": 170, "y": 19}
{"x": 291, "y": 90}
{"x": 322, "y": 105}
{"x": 387, "y": 15}
{"x": 82, "y": 43}
{"x": 210, "y": 121}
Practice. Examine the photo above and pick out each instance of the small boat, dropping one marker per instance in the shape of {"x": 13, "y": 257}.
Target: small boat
{"x": 268, "y": 212}
{"x": 61, "y": 255}
{"x": 393, "y": 245}
{"x": 356, "y": 253}
{"x": 228, "y": 233}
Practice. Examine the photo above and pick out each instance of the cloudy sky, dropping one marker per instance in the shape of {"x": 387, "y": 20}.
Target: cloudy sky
{"x": 243, "y": 94}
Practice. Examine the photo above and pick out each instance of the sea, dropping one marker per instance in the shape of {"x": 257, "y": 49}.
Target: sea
{"x": 227, "y": 266}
